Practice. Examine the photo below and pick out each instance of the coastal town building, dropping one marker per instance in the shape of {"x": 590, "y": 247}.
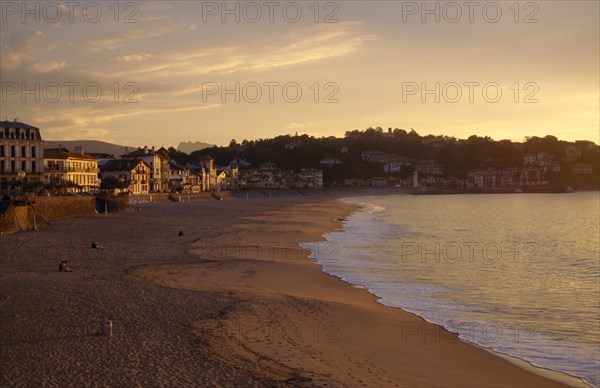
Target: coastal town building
{"x": 183, "y": 179}
{"x": 311, "y": 178}
{"x": 208, "y": 164}
{"x": 269, "y": 166}
{"x": 330, "y": 162}
{"x": 544, "y": 160}
{"x": 428, "y": 167}
{"x": 223, "y": 180}
{"x": 178, "y": 178}
{"x": 201, "y": 174}
{"x": 21, "y": 153}
{"x": 239, "y": 163}
{"x": 228, "y": 178}
{"x": 159, "y": 172}
{"x": 164, "y": 153}
{"x": 261, "y": 179}
{"x": 397, "y": 164}
{"x": 76, "y": 170}
{"x": 256, "y": 179}
{"x": 532, "y": 176}
{"x": 377, "y": 182}
{"x": 494, "y": 177}
{"x": 353, "y": 182}
{"x": 134, "y": 171}
{"x": 374, "y": 156}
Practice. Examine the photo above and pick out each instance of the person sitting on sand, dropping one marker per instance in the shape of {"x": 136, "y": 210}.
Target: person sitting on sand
{"x": 64, "y": 266}
{"x": 96, "y": 245}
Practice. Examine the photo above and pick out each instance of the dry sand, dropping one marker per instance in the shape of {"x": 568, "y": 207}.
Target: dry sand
{"x": 234, "y": 302}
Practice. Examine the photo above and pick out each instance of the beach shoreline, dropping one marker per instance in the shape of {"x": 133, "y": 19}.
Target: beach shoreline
{"x": 556, "y": 375}
{"x": 234, "y": 301}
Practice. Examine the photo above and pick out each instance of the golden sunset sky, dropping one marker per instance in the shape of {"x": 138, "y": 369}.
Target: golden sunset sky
{"x": 157, "y": 73}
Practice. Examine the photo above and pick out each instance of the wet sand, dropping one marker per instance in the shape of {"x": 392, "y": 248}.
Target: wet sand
{"x": 233, "y": 302}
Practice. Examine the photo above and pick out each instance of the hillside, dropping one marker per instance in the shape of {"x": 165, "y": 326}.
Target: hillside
{"x": 88, "y": 146}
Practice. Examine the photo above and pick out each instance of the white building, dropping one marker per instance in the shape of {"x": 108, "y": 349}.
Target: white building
{"x": 396, "y": 164}
{"x": 374, "y": 156}
{"x": 21, "y": 153}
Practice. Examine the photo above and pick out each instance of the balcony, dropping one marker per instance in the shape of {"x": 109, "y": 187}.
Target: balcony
{"x": 71, "y": 169}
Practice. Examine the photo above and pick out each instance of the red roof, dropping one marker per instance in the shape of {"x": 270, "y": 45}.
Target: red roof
{"x": 56, "y": 154}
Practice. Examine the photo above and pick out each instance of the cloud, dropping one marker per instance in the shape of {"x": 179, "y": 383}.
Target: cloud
{"x": 303, "y": 46}
{"x": 86, "y": 116}
{"x": 122, "y": 38}
{"x": 134, "y": 57}
{"x": 192, "y": 26}
{"x": 43, "y": 66}
{"x": 323, "y": 44}
{"x": 18, "y": 46}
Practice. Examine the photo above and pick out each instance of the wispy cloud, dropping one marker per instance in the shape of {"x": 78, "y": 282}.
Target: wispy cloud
{"x": 134, "y": 57}
{"x": 44, "y": 66}
{"x": 303, "y": 46}
{"x": 81, "y": 122}
{"x": 118, "y": 40}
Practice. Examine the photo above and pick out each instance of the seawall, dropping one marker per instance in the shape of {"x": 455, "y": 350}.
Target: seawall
{"x": 37, "y": 212}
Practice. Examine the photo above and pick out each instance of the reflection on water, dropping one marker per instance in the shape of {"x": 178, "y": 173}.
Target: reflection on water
{"x": 515, "y": 273}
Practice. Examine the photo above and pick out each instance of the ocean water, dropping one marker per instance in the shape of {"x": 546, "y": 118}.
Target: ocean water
{"x": 516, "y": 273}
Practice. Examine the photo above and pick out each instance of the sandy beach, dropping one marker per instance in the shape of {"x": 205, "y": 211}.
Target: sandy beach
{"x": 232, "y": 302}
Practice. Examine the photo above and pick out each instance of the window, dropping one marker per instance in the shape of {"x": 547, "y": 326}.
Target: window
{"x": 33, "y": 169}
{"x": 1, "y": 151}
{"x": 33, "y": 152}
{"x": 23, "y": 165}
{"x": 1, "y": 166}
{"x": 23, "y": 151}
{"x": 12, "y": 151}
{"x": 12, "y": 166}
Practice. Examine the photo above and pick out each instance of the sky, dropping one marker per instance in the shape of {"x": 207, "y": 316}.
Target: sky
{"x": 158, "y": 73}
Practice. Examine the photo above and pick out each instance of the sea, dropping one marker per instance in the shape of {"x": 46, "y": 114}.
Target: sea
{"x": 515, "y": 273}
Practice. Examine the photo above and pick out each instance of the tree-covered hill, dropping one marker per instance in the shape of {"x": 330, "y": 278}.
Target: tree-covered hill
{"x": 456, "y": 156}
